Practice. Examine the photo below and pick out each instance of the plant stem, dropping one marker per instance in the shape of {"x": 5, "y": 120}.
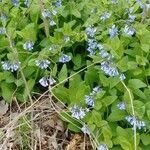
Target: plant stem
{"x": 133, "y": 113}
{"x": 46, "y": 26}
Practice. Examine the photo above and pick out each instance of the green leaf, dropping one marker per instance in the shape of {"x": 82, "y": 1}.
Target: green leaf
{"x": 73, "y": 128}
{"x": 148, "y": 114}
{"x": 73, "y": 125}
{"x": 91, "y": 76}
{"x": 136, "y": 84}
{"x": 62, "y": 94}
{"x": 54, "y": 71}
{"x": 147, "y": 72}
{"x": 108, "y": 100}
{"x": 106, "y": 131}
{"x": 113, "y": 81}
{"x": 96, "y": 117}
{"x": 4, "y": 43}
{"x": 98, "y": 105}
{"x": 145, "y": 138}
{"x": 145, "y": 47}
{"x": 29, "y": 32}
{"x": 139, "y": 108}
{"x": 116, "y": 46}
{"x": 77, "y": 61}
{"x": 117, "y": 115}
{"x": 139, "y": 93}
{"x": 125, "y": 144}
{"x": 7, "y": 91}
{"x": 122, "y": 64}
{"x": 76, "y": 13}
{"x": 141, "y": 60}
{"x": 30, "y": 85}
{"x": 63, "y": 73}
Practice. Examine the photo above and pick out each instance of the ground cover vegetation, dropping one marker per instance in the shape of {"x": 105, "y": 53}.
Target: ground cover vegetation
{"x": 91, "y": 56}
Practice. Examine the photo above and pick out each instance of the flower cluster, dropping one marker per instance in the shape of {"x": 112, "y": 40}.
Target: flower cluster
{"x": 129, "y": 30}
{"x": 102, "y": 147}
{"x": 109, "y": 68}
{"x": 49, "y": 15}
{"x": 10, "y": 66}
{"x": 90, "y": 31}
{"x": 78, "y": 112}
{"x": 105, "y": 16}
{"x": 92, "y": 43}
{"x": 43, "y": 64}
{"x": 113, "y": 31}
{"x": 90, "y": 99}
{"x": 46, "y": 13}
{"x": 64, "y": 58}
{"x": 28, "y": 45}
{"x": 46, "y": 81}
{"x": 139, "y": 124}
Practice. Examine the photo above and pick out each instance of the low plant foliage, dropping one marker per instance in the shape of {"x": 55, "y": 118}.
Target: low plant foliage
{"x": 92, "y": 55}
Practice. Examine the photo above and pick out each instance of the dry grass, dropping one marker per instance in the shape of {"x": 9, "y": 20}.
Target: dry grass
{"x": 47, "y": 132}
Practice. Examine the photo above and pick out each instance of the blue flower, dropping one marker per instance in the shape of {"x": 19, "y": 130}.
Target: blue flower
{"x": 113, "y": 31}
{"x": 102, "y": 147}
{"x": 100, "y": 46}
{"x": 4, "y": 17}
{"x": 51, "y": 81}
{"x": 89, "y": 100}
{"x": 114, "y": 1}
{"x": 121, "y": 106}
{"x": 64, "y": 58}
{"x": 28, "y": 45}
{"x": 108, "y": 69}
{"x": 5, "y": 65}
{"x": 46, "y": 81}
{"x": 43, "y": 64}
{"x": 66, "y": 38}
{"x": 10, "y": 66}
{"x": 139, "y": 124}
{"x": 14, "y": 66}
{"x": 105, "y": 16}
{"x": 129, "y": 30}
{"x": 58, "y": 3}
{"x": 78, "y": 112}
{"x": 122, "y": 77}
{"x": 103, "y": 54}
{"x": 85, "y": 129}
{"x": 95, "y": 91}
{"x": 15, "y": 3}
{"x": 92, "y": 45}
{"x": 46, "y": 13}
{"x": 90, "y": 31}
{"x": 26, "y": 3}
{"x": 52, "y": 23}
{"x": 131, "y": 18}
{"x": 2, "y": 30}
